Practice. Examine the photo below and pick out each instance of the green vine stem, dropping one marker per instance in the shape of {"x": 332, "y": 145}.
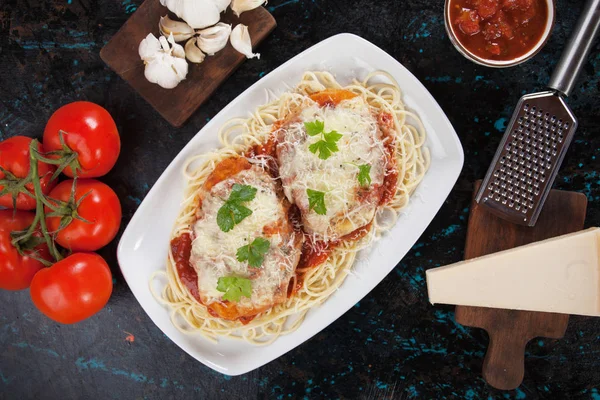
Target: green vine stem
{"x": 39, "y": 199}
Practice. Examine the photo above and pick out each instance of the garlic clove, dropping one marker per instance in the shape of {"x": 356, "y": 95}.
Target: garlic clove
{"x": 180, "y": 30}
{"x": 222, "y": 4}
{"x": 164, "y": 44}
{"x": 197, "y": 13}
{"x": 240, "y": 6}
{"x": 193, "y": 52}
{"x": 240, "y": 40}
{"x": 176, "y": 49}
{"x": 213, "y": 39}
{"x": 148, "y": 47}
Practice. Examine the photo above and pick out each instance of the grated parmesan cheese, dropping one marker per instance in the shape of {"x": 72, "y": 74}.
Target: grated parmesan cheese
{"x": 214, "y": 251}
{"x": 337, "y": 176}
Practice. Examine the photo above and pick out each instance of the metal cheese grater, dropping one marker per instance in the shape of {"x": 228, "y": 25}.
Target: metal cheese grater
{"x": 538, "y": 135}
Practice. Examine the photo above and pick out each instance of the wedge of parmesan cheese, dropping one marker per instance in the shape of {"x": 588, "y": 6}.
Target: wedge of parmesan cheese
{"x": 558, "y": 275}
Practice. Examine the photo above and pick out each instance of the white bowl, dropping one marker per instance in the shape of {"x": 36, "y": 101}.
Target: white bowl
{"x": 497, "y": 63}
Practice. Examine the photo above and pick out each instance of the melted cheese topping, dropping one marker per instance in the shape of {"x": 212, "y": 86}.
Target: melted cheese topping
{"x": 349, "y": 206}
{"x": 214, "y": 251}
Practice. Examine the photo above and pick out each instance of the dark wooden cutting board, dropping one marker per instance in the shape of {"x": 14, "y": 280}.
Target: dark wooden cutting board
{"x": 177, "y": 105}
{"x": 510, "y": 330}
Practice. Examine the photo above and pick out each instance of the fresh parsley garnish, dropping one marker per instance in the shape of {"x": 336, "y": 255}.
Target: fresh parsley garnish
{"x": 364, "y": 177}
{"x": 314, "y": 128}
{"x": 254, "y": 252}
{"x": 242, "y": 193}
{"x": 233, "y": 212}
{"x": 234, "y": 287}
{"x": 316, "y": 201}
{"x": 328, "y": 143}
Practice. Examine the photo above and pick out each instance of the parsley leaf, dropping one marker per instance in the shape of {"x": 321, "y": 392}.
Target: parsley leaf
{"x": 239, "y": 212}
{"x": 316, "y": 201}
{"x": 234, "y": 287}
{"x": 242, "y": 193}
{"x": 225, "y": 218}
{"x": 254, "y": 252}
{"x": 232, "y": 212}
{"x": 325, "y": 146}
{"x": 364, "y": 177}
{"x": 332, "y": 137}
{"x": 314, "y": 128}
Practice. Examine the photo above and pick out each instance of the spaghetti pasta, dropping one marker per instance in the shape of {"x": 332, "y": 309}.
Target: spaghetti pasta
{"x": 238, "y": 136}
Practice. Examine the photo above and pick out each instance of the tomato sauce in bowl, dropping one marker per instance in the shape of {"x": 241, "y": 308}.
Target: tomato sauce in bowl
{"x": 499, "y": 32}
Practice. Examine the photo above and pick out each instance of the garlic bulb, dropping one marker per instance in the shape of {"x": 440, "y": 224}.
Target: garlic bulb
{"x": 222, "y": 4}
{"x": 197, "y": 13}
{"x": 213, "y": 39}
{"x": 239, "y": 6}
{"x": 240, "y": 40}
{"x": 193, "y": 52}
{"x": 165, "y": 64}
{"x": 180, "y": 30}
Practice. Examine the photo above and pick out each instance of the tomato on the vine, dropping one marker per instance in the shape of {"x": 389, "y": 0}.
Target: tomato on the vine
{"x": 73, "y": 289}
{"x": 89, "y": 217}
{"x": 89, "y": 135}
{"x": 17, "y": 270}
{"x": 14, "y": 163}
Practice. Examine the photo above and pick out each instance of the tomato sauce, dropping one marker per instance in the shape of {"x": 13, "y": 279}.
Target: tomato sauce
{"x": 225, "y": 169}
{"x": 332, "y": 97}
{"x": 181, "y": 247}
{"x": 498, "y": 30}
{"x": 268, "y": 148}
{"x": 229, "y": 311}
{"x": 390, "y": 181}
{"x": 316, "y": 253}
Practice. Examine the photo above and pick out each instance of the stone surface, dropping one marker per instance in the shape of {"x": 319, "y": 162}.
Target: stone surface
{"x": 393, "y": 344}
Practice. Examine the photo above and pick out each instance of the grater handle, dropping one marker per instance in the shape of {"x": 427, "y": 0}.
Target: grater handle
{"x": 576, "y": 52}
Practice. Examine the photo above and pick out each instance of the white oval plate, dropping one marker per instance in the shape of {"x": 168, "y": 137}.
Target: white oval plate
{"x": 144, "y": 245}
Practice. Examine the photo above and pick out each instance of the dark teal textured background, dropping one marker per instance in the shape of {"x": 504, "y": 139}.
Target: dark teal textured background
{"x": 393, "y": 344}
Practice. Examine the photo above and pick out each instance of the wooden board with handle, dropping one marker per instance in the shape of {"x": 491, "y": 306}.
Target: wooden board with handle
{"x": 177, "y": 105}
{"x": 510, "y": 330}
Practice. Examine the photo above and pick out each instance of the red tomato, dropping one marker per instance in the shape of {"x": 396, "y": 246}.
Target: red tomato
{"x": 101, "y": 207}
{"x": 88, "y": 130}
{"x": 17, "y": 271}
{"x": 14, "y": 158}
{"x": 73, "y": 289}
